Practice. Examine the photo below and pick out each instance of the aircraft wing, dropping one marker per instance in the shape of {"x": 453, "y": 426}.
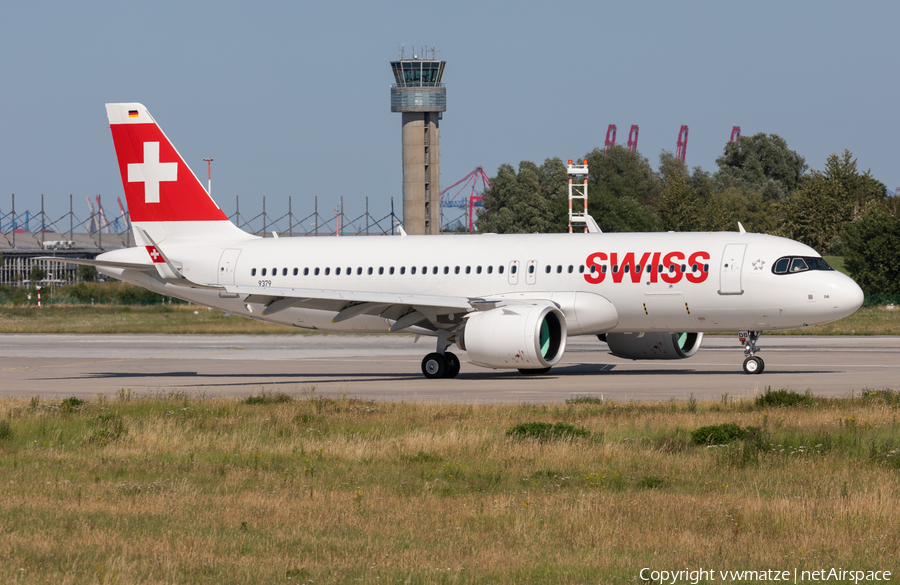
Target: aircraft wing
{"x": 440, "y": 311}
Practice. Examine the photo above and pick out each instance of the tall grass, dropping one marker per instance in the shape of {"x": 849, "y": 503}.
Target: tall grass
{"x": 177, "y": 489}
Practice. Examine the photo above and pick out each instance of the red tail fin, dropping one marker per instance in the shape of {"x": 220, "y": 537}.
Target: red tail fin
{"x": 159, "y": 185}
{"x": 165, "y": 198}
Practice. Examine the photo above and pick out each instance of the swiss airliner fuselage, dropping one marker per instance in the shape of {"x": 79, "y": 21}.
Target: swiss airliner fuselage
{"x": 719, "y": 281}
{"x": 509, "y": 301}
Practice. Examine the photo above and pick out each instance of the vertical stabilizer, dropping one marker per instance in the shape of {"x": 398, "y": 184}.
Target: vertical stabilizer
{"x": 165, "y": 198}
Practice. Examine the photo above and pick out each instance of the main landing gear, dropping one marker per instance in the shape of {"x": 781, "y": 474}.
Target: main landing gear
{"x": 752, "y": 363}
{"x": 436, "y": 365}
{"x": 442, "y": 363}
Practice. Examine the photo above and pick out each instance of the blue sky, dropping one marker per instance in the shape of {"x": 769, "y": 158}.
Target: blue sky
{"x": 292, "y": 98}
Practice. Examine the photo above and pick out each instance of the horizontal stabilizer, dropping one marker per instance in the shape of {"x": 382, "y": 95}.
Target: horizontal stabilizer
{"x": 99, "y": 263}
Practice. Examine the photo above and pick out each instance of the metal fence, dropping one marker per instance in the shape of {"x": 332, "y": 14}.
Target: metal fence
{"x": 101, "y": 230}
{"x": 331, "y": 222}
{"x": 881, "y": 300}
{"x": 98, "y": 229}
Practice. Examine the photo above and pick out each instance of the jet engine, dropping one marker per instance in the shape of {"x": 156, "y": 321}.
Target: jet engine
{"x": 516, "y": 336}
{"x": 653, "y": 346}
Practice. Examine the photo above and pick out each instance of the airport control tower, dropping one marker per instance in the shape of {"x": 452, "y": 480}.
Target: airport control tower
{"x": 421, "y": 97}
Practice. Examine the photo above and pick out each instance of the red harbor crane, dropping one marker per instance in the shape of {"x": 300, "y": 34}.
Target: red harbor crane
{"x": 682, "y": 143}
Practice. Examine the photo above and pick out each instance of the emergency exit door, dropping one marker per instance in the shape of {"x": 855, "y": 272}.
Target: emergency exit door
{"x": 730, "y": 269}
{"x": 227, "y": 264}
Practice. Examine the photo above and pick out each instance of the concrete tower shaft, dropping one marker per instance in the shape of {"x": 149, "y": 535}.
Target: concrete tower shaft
{"x": 421, "y": 97}
{"x": 421, "y": 173}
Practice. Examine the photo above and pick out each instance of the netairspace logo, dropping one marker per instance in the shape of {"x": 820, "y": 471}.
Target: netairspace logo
{"x": 695, "y": 576}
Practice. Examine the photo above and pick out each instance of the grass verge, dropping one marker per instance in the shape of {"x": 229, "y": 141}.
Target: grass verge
{"x": 178, "y": 489}
{"x": 192, "y": 319}
{"x": 186, "y": 319}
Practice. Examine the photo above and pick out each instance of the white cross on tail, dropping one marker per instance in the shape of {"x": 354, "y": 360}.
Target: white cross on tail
{"x": 151, "y": 172}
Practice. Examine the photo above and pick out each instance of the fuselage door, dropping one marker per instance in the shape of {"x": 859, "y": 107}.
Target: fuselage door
{"x": 730, "y": 269}
{"x": 227, "y": 264}
{"x": 514, "y": 272}
{"x": 531, "y": 272}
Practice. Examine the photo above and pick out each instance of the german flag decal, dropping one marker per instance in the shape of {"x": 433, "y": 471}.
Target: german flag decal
{"x": 132, "y": 113}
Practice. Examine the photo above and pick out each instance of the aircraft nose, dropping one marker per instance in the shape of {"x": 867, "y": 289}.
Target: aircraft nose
{"x": 848, "y": 296}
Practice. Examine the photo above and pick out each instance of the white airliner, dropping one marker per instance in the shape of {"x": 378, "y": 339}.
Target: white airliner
{"x": 508, "y": 301}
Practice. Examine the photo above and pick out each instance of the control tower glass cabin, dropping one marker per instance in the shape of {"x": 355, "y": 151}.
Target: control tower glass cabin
{"x": 421, "y": 97}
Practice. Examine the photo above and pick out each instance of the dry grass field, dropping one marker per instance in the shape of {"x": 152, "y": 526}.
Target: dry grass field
{"x": 302, "y": 489}
{"x": 186, "y": 319}
{"x": 193, "y": 319}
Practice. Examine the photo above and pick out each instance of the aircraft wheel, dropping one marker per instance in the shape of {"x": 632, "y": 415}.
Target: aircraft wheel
{"x": 533, "y": 371}
{"x": 452, "y": 365}
{"x": 754, "y": 365}
{"x": 434, "y": 366}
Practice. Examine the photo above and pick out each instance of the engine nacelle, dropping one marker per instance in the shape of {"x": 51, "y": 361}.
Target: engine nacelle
{"x": 517, "y": 336}
{"x": 653, "y": 346}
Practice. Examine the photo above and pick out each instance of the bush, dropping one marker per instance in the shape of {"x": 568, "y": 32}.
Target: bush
{"x": 783, "y": 397}
{"x": 651, "y": 482}
{"x": 718, "y": 434}
{"x": 546, "y": 431}
{"x": 71, "y": 404}
{"x": 582, "y": 399}
{"x": 109, "y": 426}
{"x": 278, "y": 397}
{"x": 423, "y": 457}
{"x": 5, "y": 430}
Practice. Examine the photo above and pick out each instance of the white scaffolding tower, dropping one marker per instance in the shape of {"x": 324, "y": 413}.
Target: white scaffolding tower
{"x": 578, "y": 192}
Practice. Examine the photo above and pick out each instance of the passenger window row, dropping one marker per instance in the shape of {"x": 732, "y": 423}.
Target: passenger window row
{"x": 627, "y": 268}
{"x": 359, "y": 271}
{"x": 327, "y": 271}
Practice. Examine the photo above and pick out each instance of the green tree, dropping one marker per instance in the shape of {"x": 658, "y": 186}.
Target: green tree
{"x": 872, "y": 249}
{"x": 828, "y": 200}
{"x": 86, "y": 273}
{"x": 532, "y": 200}
{"x": 623, "y": 190}
{"x": 623, "y": 173}
{"x": 762, "y": 162}
{"x": 37, "y": 274}
{"x": 681, "y": 207}
{"x": 692, "y": 202}
{"x": 745, "y": 205}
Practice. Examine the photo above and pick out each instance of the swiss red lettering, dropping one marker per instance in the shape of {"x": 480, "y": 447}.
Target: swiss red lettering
{"x": 594, "y": 260}
{"x": 619, "y": 270}
{"x": 668, "y": 260}
{"x": 697, "y": 258}
{"x": 654, "y": 270}
{"x": 650, "y": 261}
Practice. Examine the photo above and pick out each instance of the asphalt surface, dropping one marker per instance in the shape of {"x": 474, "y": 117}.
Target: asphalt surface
{"x": 388, "y": 368}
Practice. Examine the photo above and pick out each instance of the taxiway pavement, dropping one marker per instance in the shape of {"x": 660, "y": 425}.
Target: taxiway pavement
{"x": 388, "y": 368}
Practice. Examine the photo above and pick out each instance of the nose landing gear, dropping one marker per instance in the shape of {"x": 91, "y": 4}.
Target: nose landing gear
{"x": 752, "y": 363}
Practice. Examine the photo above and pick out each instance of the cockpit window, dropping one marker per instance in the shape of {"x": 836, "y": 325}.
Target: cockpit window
{"x": 798, "y": 265}
{"x": 818, "y": 264}
{"x": 792, "y": 264}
